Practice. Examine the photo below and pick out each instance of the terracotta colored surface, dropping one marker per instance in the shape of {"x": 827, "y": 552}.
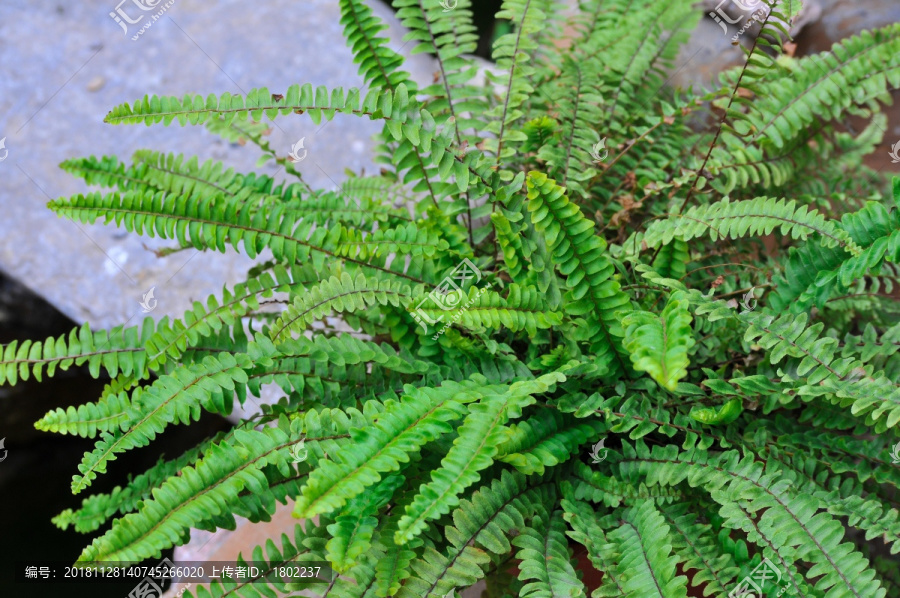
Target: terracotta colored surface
{"x": 225, "y": 545}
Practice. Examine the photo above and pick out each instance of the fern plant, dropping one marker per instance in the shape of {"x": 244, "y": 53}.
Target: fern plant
{"x": 678, "y": 360}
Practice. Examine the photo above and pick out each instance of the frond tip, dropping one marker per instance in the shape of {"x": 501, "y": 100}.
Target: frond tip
{"x": 580, "y": 257}
{"x": 761, "y": 216}
{"x": 659, "y": 344}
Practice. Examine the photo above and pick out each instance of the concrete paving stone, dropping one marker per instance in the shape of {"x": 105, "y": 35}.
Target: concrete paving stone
{"x": 842, "y": 18}
{"x": 65, "y": 65}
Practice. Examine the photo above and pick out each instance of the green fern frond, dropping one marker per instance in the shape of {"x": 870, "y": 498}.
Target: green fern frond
{"x": 108, "y": 172}
{"x": 510, "y": 244}
{"x": 213, "y": 224}
{"x": 294, "y": 551}
{"x": 645, "y": 46}
{"x": 576, "y": 95}
{"x": 672, "y": 259}
{"x": 378, "y": 64}
{"x": 422, "y": 415}
{"x": 579, "y": 254}
{"x": 336, "y": 295}
{"x": 408, "y": 240}
{"x": 870, "y": 516}
{"x": 171, "y": 340}
{"x": 474, "y": 449}
{"x": 546, "y": 440}
{"x": 94, "y": 511}
{"x": 480, "y": 524}
{"x": 175, "y": 173}
{"x": 650, "y": 569}
{"x": 766, "y": 509}
{"x": 176, "y": 397}
{"x": 109, "y": 414}
{"x": 869, "y": 261}
{"x": 875, "y": 397}
{"x": 867, "y": 63}
{"x": 485, "y": 309}
{"x": 318, "y": 103}
{"x": 805, "y": 264}
{"x": 117, "y": 350}
{"x": 590, "y": 531}
{"x": 237, "y": 131}
{"x": 659, "y": 345}
{"x": 512, "y": 54}
{"x": 97, "y": 509}
{"x": 394, "y": 567}
{"x": 695, "y": 548}
{"x": 352, "y": 531}
{"x": 329, "y": 207}
{"x": 545, "y": 561}
{"x": 199, "y": 492}
{"x": 448, "y": 35}
{"x": 595, "y": 486}
{"x": 754, "y": 217}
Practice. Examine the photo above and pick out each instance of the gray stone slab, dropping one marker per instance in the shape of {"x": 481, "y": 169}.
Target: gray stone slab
{"x": 65, "y": 65}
